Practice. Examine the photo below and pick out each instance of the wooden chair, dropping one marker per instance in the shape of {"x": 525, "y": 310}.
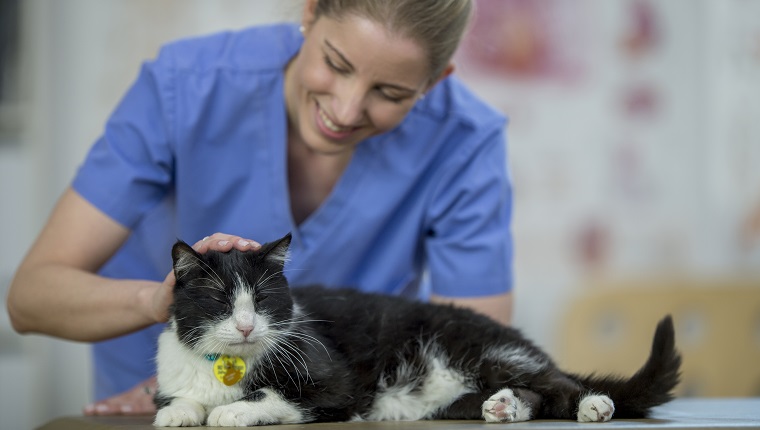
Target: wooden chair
{"x": 609, "y": 330}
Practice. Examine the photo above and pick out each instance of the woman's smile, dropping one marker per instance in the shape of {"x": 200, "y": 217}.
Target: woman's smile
{"x": 338, "y": 93}
{"x": 328, "y": 126}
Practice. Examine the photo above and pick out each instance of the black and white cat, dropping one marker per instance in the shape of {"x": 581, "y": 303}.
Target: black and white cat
{"x": 242, "y": 348}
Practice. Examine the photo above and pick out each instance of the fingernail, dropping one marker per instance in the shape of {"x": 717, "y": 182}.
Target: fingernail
{"x": 255, "y": 245}
{"x": 101, "y": 408}
{"x": 223, "y": 242}
{"x": 126, "y": 408}
{"x": 242, "y": 242}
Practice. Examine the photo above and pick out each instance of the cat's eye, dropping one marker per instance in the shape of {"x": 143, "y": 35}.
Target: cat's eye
{"x": 260, "y": 297}
{"x": 219, "y": 298}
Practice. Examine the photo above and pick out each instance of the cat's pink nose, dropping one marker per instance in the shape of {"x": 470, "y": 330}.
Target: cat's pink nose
{"x": 245, "y": 330}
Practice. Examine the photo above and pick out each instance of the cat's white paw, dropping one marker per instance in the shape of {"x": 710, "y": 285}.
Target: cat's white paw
{"x": 180, "y": 415}
{"x": 239, "y": 414}
{"x": 504, "y": 406}
{"x": 595, "y": 409}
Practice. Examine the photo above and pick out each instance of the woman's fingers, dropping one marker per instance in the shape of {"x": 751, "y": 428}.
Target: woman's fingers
{"x": 137, "y": 401}
{"x": 225, "y": 242}
{"x": 163, "y": 298}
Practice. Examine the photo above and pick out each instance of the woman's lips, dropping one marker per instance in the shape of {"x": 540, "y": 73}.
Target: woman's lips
{"x": 329, "y": 128}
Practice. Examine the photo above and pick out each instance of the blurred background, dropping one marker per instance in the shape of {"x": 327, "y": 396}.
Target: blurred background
{"x": 634, "y": 145}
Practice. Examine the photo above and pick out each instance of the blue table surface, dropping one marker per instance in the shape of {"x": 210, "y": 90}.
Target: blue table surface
{"x": 692, "y": 413}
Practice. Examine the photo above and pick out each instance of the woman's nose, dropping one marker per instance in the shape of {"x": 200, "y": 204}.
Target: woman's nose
{"x": 348, "y": 106}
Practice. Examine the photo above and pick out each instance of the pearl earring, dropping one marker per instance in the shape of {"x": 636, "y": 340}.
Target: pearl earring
{"x": 302, "y": 29}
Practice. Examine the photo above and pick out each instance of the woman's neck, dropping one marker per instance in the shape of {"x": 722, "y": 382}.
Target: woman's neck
{"x": 311, "y": 176}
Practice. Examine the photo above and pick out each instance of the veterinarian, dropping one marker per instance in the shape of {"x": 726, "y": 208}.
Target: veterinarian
{"x": 348, "y": 130}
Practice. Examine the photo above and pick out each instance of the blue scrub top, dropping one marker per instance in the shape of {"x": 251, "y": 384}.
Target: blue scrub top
{"x": 198, "y": 145}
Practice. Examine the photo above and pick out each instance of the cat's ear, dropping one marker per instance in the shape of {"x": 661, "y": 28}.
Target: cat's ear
{"x": 276, "y": 251}
{"x": 184, "y": 258}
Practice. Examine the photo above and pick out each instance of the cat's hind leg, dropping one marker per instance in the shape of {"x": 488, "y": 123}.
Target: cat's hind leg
{"x": 595, "y": 408}
{"x": 506, "y": 405}
{"x": 509, "y": 405}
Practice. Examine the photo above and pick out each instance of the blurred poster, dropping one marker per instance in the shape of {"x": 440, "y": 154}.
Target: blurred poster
{"x": 531, "y": 39}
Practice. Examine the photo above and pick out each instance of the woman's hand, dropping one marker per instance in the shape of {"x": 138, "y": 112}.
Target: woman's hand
{"x": 225, "y": 242}
{"x": 136, "y": 401}
{"x": 163, "y": 295}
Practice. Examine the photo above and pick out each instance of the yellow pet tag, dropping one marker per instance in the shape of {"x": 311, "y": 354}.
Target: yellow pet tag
{"x": 229, "y": 370}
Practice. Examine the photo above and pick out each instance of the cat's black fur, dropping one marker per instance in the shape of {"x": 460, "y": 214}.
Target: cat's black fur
{"x": 346, "y": 349}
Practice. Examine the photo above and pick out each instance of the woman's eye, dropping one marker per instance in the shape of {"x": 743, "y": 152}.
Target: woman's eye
{"x": 334, "y": 66}
{"x": 392, "y": 98}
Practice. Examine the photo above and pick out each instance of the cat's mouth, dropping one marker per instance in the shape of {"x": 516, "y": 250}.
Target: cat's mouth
{"x": 244, "y": 345}
{"x": 246, "y": 342}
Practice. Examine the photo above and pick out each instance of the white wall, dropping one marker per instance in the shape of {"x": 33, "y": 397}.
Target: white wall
{"x": 695, "y": 176}
{"x": 79, "y": 57}
{"x": 667, "y": 190}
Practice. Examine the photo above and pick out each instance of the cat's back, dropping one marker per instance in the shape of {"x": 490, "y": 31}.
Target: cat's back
{"x": 345, "y": 305}
{"x": 361, "y": 320}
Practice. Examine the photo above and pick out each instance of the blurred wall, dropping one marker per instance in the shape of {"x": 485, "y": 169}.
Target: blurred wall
{"x": 634, "y": 144}
{"x": 78, "y": 58}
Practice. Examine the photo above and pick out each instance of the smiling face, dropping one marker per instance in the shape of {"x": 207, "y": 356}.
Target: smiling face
{"x": 352, "y": 79}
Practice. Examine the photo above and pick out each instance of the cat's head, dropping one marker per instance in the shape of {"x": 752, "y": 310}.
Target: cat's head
{"x": 230, "y": 302}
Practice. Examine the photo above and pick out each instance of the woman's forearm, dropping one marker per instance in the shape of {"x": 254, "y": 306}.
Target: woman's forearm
{"x": 56, "y": 292}
{"x": 73, "y": 304}
{"x": 498, "y": 307}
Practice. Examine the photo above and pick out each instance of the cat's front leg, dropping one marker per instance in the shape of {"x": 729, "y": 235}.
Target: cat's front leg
{"x": 263, "y": 407}
{"x": 180, "y": 413}
{"x": 505, "y": 406}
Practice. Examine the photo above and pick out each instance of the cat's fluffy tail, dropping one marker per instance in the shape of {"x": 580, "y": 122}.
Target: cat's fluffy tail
{"x": 652, "y": 385}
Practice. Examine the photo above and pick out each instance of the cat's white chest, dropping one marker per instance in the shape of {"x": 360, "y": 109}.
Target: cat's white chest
{"x": 182, "y": 373}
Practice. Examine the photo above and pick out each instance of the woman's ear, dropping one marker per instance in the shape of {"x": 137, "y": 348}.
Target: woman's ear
{"x": 446, "y": 72}
{"x": 309, "y": 14}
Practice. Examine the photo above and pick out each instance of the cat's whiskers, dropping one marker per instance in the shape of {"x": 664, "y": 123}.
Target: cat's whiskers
{"x": 274, "y": 350}
{"x": 299, "y": 376}
{"x": 212, "y": 345}
{"x": 309, "y": 340}
{"x": 270, "y": 289}
{"x": 196, "y": 335}
{"x": 296, "y": 320}
{"x": 192, "y": 331}
{"x": 215, "y": 276}
{"x": 264, "y": 283}
{"x": 267, "y": 355}
{"x": 278, "y": 345}
{"x": 294, "y": 332}
{"x": 214, "y": 284}
{"x": 291, "y": 270}
{"x": 259, "y": 282}
{"x": 292, "y": 350}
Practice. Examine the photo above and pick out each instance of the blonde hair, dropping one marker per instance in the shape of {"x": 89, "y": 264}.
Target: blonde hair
{"x": 436, "y": 24}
